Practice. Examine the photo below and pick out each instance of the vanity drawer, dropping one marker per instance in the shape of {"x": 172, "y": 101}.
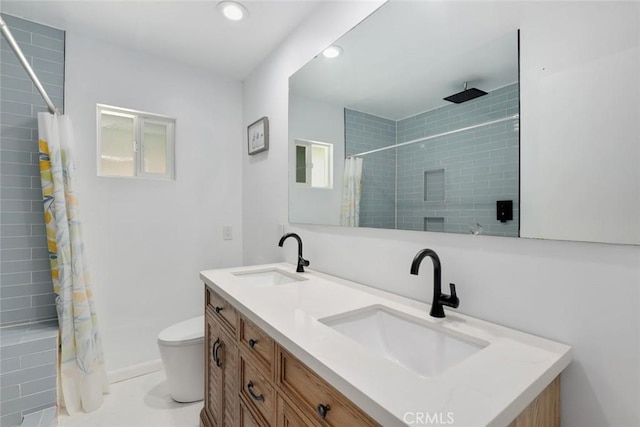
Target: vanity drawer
{"x": 222, "y": 310}
{"x": 257, "y": 390}
{"x": 259, "y": 348}
{"x": 289, "y": 417}
{"x": 315, "y": 396}
{"x": 247, "y": 419}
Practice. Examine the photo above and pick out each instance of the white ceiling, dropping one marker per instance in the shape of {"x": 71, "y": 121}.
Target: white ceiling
{"x": 189, "y": 31}
{"x": 407, "y": 56}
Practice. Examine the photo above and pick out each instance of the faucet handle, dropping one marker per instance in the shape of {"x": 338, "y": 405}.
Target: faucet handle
{"x": 302, "y": 263}
{"x": 451, "y": 300}
{"x": 452, "y": 287}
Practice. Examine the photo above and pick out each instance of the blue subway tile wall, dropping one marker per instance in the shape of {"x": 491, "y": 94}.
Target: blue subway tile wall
{"x": 481, "y": 166}
{"x": 26, "y": 291}
{"x": 28, "y": 370}
{"x": 446, "y": 184}
{"x": 28, "y": 325}
{"x": 364, "y": 132}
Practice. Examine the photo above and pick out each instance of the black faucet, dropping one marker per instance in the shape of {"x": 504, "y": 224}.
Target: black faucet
{"x": 302, "y": 263}
{"x": 439, "y": 299}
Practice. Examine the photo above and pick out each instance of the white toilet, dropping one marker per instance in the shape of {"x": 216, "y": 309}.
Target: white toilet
{"x": 182, "y": 352}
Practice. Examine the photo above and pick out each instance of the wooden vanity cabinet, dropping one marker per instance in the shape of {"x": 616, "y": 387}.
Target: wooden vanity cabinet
{"x": 221, "y": 401}
{"x": 251, "y": 381}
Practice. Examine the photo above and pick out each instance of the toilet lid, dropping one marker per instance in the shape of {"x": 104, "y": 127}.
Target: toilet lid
{"x": 185, "y": 332}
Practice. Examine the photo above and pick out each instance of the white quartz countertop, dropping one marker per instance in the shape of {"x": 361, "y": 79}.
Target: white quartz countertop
{"x": 490, "y": 388}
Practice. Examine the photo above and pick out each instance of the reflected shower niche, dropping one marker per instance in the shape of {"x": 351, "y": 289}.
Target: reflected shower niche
{"x": 414, "y": 179}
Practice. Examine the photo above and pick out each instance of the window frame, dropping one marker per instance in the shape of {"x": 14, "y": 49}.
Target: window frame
{"x": 139, "y": 119}
{"x": 309, "y": 144}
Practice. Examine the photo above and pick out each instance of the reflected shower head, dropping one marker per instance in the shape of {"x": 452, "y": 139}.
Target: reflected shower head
{"x": 465, "y": 95}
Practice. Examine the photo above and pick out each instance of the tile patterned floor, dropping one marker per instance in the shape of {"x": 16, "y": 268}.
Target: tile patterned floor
{"x": 139, "y": 402}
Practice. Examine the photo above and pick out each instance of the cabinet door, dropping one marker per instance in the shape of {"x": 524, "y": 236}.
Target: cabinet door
{"x": 221, "y": 397}
{"x": 213, "y": 395}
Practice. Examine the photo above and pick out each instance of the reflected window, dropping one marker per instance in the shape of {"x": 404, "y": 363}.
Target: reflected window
{"x": 134, "y": 144}
{"x": 314, "y": 162}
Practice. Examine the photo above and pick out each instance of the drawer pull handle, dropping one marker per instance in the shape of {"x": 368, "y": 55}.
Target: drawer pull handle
{"x": 216, "y": 347}
{"x": 322, "y": 410}
{"x": 252, "y": 343}
{"x": 219, "y": 309}
{"x": 259, "y": 398}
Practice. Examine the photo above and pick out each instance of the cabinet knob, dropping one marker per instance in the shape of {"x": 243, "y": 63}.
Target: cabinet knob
{"x": 322, "y": 410}
{"x": 252, "y": 343}
{"x": 219, "y": 309}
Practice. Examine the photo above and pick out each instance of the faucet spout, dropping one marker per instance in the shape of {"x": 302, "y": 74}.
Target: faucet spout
{"x": 302, "y": 263}
{"x": 439, "y": 299}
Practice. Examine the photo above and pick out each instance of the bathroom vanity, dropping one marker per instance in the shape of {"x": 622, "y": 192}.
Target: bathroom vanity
{"x": 302, "y": 349}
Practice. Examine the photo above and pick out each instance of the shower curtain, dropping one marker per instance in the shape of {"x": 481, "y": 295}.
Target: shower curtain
{"x": 82, "y": 377}
{"x": 351, "y": 191}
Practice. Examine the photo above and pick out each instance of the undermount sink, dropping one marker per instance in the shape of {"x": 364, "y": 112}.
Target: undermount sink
{"x": 413, "y": 343}
{"x": 267, "y": 277}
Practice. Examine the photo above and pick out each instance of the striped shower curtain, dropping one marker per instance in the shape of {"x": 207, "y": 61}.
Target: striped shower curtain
{"x": 351, "y": 191}
{"x": 82, "y": 376}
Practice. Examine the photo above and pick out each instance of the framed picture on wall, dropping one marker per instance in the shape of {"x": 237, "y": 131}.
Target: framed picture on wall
{"x": 258, "y": 136}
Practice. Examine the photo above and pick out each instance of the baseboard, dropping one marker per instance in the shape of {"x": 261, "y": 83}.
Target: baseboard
{"x": 134, "y": 371}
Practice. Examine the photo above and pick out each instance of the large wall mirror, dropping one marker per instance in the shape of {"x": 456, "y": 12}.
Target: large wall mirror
{"x": 417, "y": 125}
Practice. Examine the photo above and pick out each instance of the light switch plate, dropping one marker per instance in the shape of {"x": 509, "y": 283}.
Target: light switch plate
{"x": 227, "y": 232}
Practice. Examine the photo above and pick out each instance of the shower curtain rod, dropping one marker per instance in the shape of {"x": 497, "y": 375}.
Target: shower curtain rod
{"x": 426, "y": 138}
{"x": 16, "y": 49}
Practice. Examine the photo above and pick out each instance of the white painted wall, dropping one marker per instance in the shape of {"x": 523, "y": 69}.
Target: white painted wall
{"x": 147, "y": 240}
{"x": 585, "y": 295}
{"x": 320, "y": 122}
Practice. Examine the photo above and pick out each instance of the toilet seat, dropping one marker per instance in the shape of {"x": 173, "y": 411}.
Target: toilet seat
{"x": 187, "y": 332}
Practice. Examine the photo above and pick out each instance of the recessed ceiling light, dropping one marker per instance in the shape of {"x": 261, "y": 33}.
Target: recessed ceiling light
{"x": 232, "y": 10}
{"x": 332, "y": 51}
